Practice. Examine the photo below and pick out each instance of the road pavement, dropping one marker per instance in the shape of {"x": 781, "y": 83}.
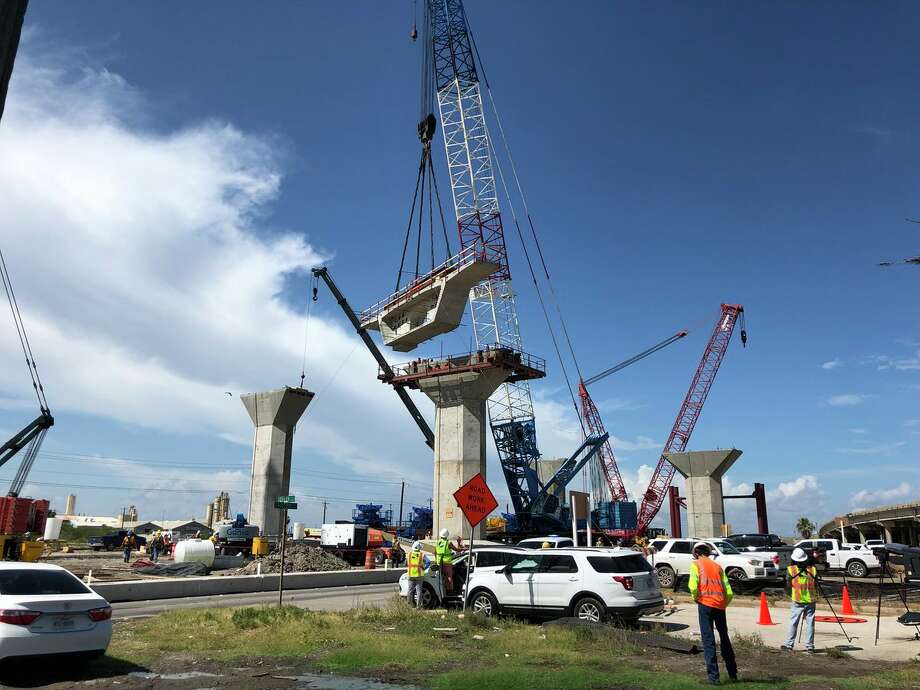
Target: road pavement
{"x": 320, "y": 599}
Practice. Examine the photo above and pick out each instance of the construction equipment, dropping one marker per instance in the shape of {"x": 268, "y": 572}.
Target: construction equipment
{"x": 450, "y": 73}
{"x": 690, "y": 410}
{"x": 593, "y": 424}
{"x": 372, "y": 515}
{"x": 323, "y": 273}
{"x": 236, "y": 536}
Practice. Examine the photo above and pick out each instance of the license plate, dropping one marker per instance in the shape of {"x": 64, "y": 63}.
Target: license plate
{"x": 64, "y": 622}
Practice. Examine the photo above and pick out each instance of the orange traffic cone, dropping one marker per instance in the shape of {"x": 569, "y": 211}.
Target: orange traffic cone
{"x": 847, "y": 608}
{"x": 764, "y": 611}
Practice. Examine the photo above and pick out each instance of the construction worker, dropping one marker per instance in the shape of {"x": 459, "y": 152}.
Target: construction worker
{"x": 802, "y": 588}
{"x": 546, "y": 545}
{"x": 128, "y": 544}
{"x": 444, "y": 557}
{"x": 156, "y": 543}
{"x": 710, "y": 590}
{"x": 416, "y": 575}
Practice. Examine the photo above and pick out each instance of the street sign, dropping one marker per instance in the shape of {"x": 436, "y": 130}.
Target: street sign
{"x": 284, "y": 505}
{"x": 286, "y": 499}
{"x": 475, "y": 500}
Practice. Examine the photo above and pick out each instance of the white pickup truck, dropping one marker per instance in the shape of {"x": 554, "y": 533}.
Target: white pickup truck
{"x": 856, "y": 559}
{"x": 672, "y": 560}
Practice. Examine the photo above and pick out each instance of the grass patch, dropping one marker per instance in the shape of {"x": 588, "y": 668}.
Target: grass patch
{"x": 398, "y": 643}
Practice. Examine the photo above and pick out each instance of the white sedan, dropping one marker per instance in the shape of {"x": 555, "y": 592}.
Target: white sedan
{"x": 44, "y": 609}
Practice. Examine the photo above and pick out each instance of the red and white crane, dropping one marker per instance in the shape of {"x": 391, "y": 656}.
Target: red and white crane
{"x": 690, "y": 410}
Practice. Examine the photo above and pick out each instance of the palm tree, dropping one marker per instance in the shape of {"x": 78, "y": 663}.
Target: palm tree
{"x": 805, "y": 527}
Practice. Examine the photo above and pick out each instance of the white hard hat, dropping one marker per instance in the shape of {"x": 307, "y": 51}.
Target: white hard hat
{"x": 445, "y": 533}
{"x": 799, "y": 555}
{"x": 417, "y": 546}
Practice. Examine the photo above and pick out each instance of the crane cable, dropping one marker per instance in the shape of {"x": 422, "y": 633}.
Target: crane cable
{"x": 23, "y": 338}
{"x": 523, "y": 197}
{"x": 520, "y": 234}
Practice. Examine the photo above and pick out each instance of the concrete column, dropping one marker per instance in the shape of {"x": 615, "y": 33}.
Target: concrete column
{"x": 274, "y": 414}
{"x": 460, "y": 439}
{"x": 703, "y": 471}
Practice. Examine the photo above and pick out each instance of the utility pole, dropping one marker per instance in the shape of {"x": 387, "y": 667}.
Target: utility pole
{"x": 399, "y": 520}
{"x": 324, "y": 514}
{"x": 283, "y": 540}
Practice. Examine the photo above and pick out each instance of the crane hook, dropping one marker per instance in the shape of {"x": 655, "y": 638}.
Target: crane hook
{"x": 315, "y": 290}
{"x": 414, "y": 33}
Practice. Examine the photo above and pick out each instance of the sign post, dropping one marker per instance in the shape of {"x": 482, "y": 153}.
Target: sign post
{"x": 476, "y": 501}
{"x": 283, "y": 503}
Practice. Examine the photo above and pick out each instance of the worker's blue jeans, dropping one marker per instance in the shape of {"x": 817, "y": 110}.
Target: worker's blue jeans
{"x": 127, "y": 555}
{"x": 798, "y": 612}
{"x": 711, "y": 617}
{"x": 414, "y": 595}
{"x": 154, "y": 553}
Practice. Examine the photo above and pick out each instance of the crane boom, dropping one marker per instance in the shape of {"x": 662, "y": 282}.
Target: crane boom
{"x": 479, "y": 221}
{"x": 690, "y": 410}
{"x": 323, "y": 273}
{"x": 594, "y": 425}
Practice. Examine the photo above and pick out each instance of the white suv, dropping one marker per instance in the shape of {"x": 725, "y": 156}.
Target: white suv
{"x": 485, "y": 559}
{"x": 555, "y": 542}
{"x": 591, "y": 584}
{"x": 672, "y": 560}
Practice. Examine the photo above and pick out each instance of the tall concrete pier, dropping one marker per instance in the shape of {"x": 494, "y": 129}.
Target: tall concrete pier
{"x": 703, "y": 471}
{"x": 274, "y": 414}
{"x": 459, "y": 386}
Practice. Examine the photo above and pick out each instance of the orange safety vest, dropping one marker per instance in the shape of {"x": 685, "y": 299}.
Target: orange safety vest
{"x": 416, "y": 570}
{"x": 802, "y": 582}
{"x": 711, "y": 590}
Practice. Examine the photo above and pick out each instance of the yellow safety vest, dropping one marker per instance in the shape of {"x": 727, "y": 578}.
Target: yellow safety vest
{"x": 442, "y": 553}
{"x": 416, "y": 568}
{"x": 803, "y": 584}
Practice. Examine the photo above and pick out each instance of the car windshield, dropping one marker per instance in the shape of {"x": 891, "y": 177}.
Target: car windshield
{"x": 30, "y": 582}
{"x": 726, "y": 547}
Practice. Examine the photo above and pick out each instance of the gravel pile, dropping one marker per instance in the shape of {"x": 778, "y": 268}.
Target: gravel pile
{"x": 297, "y": 559}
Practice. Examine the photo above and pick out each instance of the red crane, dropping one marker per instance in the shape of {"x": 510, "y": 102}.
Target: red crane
{"x": 690, "y": 410}
{"x": 593, "y": 424}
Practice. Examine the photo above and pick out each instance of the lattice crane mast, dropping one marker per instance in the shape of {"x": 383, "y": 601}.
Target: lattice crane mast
{"x": 594, "y": 425}
{"x": 479, "y": 221}
{"x": 690, "y": 410}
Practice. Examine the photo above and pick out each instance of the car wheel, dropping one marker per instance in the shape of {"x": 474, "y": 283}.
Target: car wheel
{"x": 379, "y": 558}
{"x": 589, "y": 609}
{"x": 666, "y": 576}
{"x": 484, "y": 604}
{"x": 429, "y": 599}
{"x": 736, "y": 575}
{"x": 857, "y": 569}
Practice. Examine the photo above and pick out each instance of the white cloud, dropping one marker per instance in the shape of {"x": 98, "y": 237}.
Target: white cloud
{"x": 150, "y": 278}
{"x": 807, "y": 483}
{"x": 912, "y": 422}
{"x": 886, "y": 362}
{"x": 902, "y": 490}
{"x": 832, "y": 364}
{"x": 857, "y": 431}
{"x": 846, "y": 399}
{"x": 873, "y": 450}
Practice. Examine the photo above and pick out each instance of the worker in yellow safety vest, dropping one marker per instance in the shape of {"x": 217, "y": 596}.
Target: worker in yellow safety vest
{"x": 416, "y": 575}
{"x": 802, "y": 588}
{"x": 444, "y": 557}
{"x": 710, "y": 590}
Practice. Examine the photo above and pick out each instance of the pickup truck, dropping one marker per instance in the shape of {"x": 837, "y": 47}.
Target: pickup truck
{"x": 856, "y": 559}
{"x": 672, "y": 559}
{"x": 110, "y": 542}
{"x": 763, "y": 542}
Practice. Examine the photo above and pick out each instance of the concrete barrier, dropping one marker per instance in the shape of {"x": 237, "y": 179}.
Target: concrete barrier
{"x": 178, "y": 587}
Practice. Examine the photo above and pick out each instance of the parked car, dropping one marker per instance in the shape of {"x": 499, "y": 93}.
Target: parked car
{"x": 44, "y": 609}
{"x": 672, "y": 560}
{"x": 588, "y": 583}
{"x": 111, "y": 542}
{"x": 484, "y": 559}
{"x": 874, "y": 543}
{"x": 855, "y": 559}
{"x": 555, "y": 542}
{"x": 759, "y": 542}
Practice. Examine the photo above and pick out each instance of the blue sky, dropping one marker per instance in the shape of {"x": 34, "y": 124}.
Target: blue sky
{"x": 675, "y": 157}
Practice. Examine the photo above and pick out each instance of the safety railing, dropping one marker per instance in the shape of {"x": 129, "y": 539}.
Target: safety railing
{"x": 461, "y": 260}
{"x": 489, "y": 356}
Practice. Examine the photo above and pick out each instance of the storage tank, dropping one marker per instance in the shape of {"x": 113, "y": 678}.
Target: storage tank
{"x": 299, "y": 531}
{"x": 53, "y": 528}
{"x": 195, "y": 551}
